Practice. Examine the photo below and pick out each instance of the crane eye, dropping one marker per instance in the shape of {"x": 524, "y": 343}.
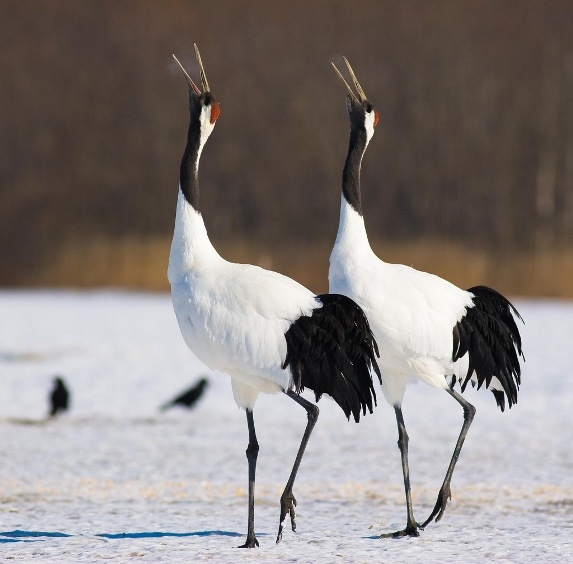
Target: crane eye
{"x": 370, "y": 109}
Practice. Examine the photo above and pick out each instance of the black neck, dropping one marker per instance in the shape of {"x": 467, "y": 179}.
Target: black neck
{"x": 189, "y": 171}
{"x": 351, "y": 173}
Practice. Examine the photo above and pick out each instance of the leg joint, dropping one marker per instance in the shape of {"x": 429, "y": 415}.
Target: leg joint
{"x": 312, "y": 413}
{"x": 469, "y": 411}
{"x": 252, "y": 448}
{"x": 403, "y": 438}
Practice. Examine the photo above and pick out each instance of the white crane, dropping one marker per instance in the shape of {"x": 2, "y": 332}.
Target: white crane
{"x": 427, "y": 329}
{"x": 266, "y": 331}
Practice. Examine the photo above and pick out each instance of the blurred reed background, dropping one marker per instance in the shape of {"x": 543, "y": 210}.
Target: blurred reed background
{"x": 469, "y": 175}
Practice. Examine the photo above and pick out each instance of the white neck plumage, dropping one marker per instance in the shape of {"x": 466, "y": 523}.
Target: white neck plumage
{"x": 190, "y": 246}
{"x": 351, "y": 228}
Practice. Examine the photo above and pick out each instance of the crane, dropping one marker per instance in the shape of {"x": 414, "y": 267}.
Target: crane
{"x": 426, "y": 328}
{"x": 267, "y": 332}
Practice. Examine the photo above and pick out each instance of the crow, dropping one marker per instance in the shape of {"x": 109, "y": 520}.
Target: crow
{"x": 189, "y": 397}
{"x": 59, "y": 397}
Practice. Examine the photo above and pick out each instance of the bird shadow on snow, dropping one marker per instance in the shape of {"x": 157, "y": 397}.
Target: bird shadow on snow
{"x": 34, "y": 536}
{"x": 150, "y": 535}
{"x": 28, "y": 536}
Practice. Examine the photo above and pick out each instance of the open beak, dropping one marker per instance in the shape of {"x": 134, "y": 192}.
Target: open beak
{"x": 360, "y": 96}
{"x": 201, "y": 70}
{"x": 189, "y": 80}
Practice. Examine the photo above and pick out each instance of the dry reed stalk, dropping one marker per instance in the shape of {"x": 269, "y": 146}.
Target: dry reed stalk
{"x": 142, "y": 264}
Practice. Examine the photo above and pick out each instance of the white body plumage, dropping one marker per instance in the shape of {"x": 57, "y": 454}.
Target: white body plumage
{"x": 232, "y": 316}
{"x": 411, "y": 313}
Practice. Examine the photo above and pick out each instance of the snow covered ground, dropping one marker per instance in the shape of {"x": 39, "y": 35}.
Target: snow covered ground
{"x": 115, "y": 479}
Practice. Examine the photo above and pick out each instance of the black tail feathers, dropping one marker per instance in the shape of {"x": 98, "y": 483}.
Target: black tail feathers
{"x": 489, "y": 334}
{"x": 332, "y": 351}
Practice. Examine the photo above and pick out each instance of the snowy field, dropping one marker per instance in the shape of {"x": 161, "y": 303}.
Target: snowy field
{"x": 115, "y": 479}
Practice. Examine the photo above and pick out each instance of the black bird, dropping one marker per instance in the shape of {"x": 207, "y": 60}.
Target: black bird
{"x": 189, "y": 397}
{"x": 59, "y": 397}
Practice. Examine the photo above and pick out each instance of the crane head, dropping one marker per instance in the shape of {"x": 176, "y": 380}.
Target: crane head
{"x": 358, "y": 107}
{"x": 200, "y": 100}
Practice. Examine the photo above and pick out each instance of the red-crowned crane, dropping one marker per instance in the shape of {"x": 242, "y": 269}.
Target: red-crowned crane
{"x": 266, "y": 331}
{"x": 427, "y": 329}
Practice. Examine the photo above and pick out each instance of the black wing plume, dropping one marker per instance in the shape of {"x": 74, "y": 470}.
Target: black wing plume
{"x": 332, "y": 351}
{"x": 489, "y": 334}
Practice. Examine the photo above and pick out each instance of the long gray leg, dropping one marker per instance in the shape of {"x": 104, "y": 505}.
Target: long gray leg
{"x": 288, "y": 501}
{"x": 252, "y": 453}
{"x": 445, "y": 493}
{"x": 412, "y": 528}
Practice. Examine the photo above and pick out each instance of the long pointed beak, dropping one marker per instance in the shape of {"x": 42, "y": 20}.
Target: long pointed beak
{"x": 189, "y": 80}
{"x": 361, "y": 97}
{"x": 201, "y": 70}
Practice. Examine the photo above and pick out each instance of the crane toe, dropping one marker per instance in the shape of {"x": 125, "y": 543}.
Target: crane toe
{"x": 443, "y": 497}
{"x": 251, "y": 542}
{"x": 410, "y": 531}
{"x": 288, "y": 503}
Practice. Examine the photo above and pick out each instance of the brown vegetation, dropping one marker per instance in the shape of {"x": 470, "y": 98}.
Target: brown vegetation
{"x": 142, "y": 264}
{"x": 470, "y": 173}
